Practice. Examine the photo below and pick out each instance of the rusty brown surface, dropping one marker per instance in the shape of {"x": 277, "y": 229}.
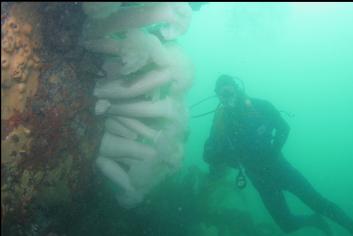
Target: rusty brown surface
{"x": 49, "y": 133}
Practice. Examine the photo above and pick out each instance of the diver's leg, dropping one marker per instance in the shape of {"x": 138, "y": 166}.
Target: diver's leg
{"x": 299, "y": 186}
{"x": 275, "y": 202}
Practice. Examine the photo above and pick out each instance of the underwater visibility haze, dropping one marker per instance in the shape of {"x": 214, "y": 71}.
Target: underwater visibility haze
{"x": 141, "y": 118}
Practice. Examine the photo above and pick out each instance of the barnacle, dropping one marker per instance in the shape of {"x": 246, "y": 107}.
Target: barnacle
{"x": 19, "y": 66}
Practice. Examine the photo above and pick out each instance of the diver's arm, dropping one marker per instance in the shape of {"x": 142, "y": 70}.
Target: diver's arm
{"x": 218, "y": 150}
{"x": 209, "y": 151}
{"x": 213, "y": 147}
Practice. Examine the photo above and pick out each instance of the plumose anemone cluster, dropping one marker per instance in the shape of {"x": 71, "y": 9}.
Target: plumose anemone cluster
{"x": 142, "y": 95}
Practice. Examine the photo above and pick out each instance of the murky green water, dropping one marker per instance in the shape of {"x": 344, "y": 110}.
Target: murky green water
{"x": 299, "y": 56}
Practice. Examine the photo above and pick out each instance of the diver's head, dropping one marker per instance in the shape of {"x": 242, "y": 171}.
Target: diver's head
{"x": 228, "y": 91}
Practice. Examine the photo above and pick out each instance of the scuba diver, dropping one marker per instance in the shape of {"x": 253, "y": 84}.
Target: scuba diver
{"x": 249, "y": 133}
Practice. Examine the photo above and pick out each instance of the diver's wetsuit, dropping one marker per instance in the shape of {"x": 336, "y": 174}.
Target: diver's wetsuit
{"x": 255, "y": 140}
